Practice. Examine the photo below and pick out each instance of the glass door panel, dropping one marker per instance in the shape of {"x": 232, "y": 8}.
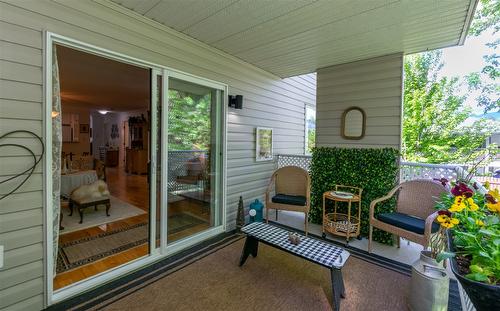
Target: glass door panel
{"x": 104, "y": 200}
{"x": 194, "y": 158}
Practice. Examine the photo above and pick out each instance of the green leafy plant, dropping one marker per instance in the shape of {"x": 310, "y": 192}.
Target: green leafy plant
{"x": 475, "y": 231}
{"x": 189, "y": 121}
{"x": 373, "y": 170}
{"x": 434, "y": 114}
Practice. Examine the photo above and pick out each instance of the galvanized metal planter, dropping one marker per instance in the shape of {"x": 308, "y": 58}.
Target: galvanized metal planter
{"x": 429, "y": 285}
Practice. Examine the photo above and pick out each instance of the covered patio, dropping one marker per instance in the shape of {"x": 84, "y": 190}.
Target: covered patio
{"x": 283, "y": 58}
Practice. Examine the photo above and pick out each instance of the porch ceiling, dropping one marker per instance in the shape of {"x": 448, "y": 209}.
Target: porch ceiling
{"x": 292, "y": 37}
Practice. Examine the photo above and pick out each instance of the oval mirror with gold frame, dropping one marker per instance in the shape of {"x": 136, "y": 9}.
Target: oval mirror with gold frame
{"x": 353, "y": 123}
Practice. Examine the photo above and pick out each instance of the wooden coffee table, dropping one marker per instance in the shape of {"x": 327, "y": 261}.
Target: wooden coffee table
{"x": 311, "y": 249}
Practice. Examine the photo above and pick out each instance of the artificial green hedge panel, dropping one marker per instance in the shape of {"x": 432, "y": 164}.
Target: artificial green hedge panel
{"x": 373, "y": 170}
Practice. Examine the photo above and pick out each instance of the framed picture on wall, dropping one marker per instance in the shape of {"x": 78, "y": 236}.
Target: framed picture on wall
{"x": 264, "y": 144}
{"x": 84, "y": 128}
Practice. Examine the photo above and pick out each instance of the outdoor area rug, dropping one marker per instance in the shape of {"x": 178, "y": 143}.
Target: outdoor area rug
{"x": 275, "y": 280}
{"x": 89, "y": 249}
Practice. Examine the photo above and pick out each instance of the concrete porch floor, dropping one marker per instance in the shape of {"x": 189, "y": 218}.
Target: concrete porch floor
{"x": 407, "y": 253}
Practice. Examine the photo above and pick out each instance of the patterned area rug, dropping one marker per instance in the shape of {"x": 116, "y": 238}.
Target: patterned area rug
{"x": 89, "y": 249}
{"x": 92, "y": 218}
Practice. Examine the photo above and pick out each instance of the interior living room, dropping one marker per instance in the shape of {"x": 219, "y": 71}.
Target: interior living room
{"x": 105, "y": 157}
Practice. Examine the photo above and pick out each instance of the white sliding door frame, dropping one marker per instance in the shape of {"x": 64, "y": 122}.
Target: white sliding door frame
{"x": 156, "y": 253}
{"x": 221, "y": 199}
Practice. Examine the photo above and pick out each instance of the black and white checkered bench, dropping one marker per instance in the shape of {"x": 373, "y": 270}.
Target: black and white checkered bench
{"x": 314, "y": 250}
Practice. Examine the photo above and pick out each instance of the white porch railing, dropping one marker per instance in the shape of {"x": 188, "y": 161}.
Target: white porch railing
{"x": 412, "y": 170}
{"x": 408, "y": 170}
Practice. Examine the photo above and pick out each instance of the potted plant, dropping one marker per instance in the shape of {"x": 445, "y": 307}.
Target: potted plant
{"x": 473, "y": 222}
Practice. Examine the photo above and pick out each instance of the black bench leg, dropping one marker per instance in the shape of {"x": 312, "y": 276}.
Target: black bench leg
{"x": 251, "y": 247}
{"x": 255, "y": 249}
{"x": 338, "y": 288}
{"x": 80, "y": 211}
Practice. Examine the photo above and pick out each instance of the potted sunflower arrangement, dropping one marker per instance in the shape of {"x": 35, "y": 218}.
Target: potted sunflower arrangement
{"x": 472, "y": 222}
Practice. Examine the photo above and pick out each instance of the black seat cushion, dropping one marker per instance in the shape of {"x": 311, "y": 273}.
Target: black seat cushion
{"x": 289, "y": 199}
{"x": 406, "y": 222}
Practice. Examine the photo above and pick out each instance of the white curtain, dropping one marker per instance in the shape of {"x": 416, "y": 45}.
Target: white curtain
{"x": 56, "y": 153}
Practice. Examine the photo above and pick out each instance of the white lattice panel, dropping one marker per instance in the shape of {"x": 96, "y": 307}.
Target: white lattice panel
{"x": 411, "y": 172}
{"x": 301, "y": 161}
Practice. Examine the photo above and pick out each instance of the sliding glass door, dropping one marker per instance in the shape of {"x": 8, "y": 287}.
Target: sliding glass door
{"x": 194, "y": 158}
{"x": 149, "y": 140}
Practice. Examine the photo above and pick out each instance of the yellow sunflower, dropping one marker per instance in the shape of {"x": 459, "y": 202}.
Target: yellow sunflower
{"x": 480, "y": 223}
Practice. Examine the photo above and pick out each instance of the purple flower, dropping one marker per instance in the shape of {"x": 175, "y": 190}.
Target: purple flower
{"x": 462, "y": 189}
{"x": 490, "y": 198}
{"x": 444, "y": 212}
{"x": 443, "y": 181}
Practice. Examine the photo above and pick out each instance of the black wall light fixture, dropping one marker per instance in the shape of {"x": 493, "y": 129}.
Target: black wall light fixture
{"x": 236, "y": 101}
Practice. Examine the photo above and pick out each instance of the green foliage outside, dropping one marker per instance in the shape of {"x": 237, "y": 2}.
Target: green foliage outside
{"x": 311, "y": 140}
{"x": 486, "y": 19}
{"x": 434, "y": 127}
{"x": 434, "y": 113}
{"x": 189, "y": 121}
{"x": 374, "y": 170}
{"x": 487, "y": 16}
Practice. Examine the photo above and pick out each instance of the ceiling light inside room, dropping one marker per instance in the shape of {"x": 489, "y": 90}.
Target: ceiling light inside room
{"x": 103, "y": 112}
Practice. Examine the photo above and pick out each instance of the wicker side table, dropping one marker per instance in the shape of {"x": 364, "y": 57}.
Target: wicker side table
{"x": 340, "y": 224}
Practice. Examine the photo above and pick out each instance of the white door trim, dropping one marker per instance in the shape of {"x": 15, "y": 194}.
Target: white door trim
{"x": 156, "y": 254}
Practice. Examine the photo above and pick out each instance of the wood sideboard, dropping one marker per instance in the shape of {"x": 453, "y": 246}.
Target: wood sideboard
{"x": 112, "y": 157}
{"x": 136, "y": 161}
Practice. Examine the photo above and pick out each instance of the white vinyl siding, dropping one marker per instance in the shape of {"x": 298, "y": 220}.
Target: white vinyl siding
{"x": 375, "y": 85}
{"x": 268, "y": 101}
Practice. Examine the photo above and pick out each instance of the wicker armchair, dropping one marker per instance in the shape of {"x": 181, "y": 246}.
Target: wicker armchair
{"x": 292, "y": 192}
{"x": 415, "y": 212}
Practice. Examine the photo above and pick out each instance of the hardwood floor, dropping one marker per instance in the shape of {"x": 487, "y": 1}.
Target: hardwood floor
{"x": 134, "y": 190}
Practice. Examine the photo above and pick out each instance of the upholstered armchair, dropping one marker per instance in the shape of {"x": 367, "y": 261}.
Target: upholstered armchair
{"x": 291, "y": 185}
{"x": 415, "y": 212}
